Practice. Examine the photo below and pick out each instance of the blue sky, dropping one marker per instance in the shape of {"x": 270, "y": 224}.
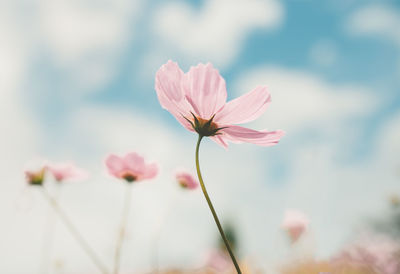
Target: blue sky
{"x": 78, "y": 83}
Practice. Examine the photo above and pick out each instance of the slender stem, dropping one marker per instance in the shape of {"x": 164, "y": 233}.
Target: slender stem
{"x": 156, "y": 246}
{"x": 74, "y": 231}
{"x": 124, "y": 220}
{"x": 210, "y": 205}
{"x": 158, "y": 233}
{"x": 48, "y": 237}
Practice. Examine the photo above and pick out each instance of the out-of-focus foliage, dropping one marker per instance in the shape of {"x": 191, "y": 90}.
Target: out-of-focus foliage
{"x": 390, "y": 224}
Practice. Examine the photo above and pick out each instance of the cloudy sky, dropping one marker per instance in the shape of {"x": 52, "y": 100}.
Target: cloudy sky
{"x": 77, "y": 82}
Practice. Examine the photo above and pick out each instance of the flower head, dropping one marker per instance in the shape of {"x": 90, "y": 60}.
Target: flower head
{"x": 35, "y": 177}
{"x": 186, "y": 180}
{"x": 295, "y": 223}
{"x": 197, "y": 100}
{"x": 66, "y": 171}
{"x": 131, "y": 167}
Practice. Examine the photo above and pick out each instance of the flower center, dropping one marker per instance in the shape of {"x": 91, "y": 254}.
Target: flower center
{"x": 204, "y": 127}
{"x": 129, "y": 177}
{"x": 36, "y": 178}
{"x": 183, "y": 183}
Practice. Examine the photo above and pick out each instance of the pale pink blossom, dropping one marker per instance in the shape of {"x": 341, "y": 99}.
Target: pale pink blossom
{"x": 295, "y": 223}
{"x": 130, "y": 167}
{"x": 379, "y": 252}
{"x": 197, "y": 100}
{"x": 186, "y": 180}
{"x": 66, "y": 172}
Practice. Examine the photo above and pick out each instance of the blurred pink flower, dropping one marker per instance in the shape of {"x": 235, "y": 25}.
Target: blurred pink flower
{"x": 197, "y": 100}
{"x": 186, "y": 180}
{"x": 378, "y": 252}
{"x": 66, "y": 172}
{"x": 35, "y": 177}
{"x": 295, "y": 223}
{"x": 131, "y": 167}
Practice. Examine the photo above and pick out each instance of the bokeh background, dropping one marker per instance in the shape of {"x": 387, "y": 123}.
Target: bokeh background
{"x": 77, "y": 83}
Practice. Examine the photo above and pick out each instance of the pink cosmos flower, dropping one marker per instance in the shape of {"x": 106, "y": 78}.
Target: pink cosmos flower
{"x": 131, "y": 167}
{"x": 66, "y": 172}
{"x": 35, "y": 177}
{"x": 295, "y": 223}
{"x": 186, "y": 180}
{"x": 197, "y": 100}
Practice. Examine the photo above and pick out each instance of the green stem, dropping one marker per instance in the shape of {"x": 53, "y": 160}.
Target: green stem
{"x": 210, "y": 205}
{"x": 74, "y": 231}
{"x": 124, "y": 221}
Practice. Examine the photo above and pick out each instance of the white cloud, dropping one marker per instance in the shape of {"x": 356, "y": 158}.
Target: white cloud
{"x": 376, "y": 20}
{"x": 301, "y": 100}
{"x": 85, "y": 38}
{"x": 16, "y": 124}
{"x": 217, "y": 31}
{"x": 19, "y": 138}
{"x": 13, "y": 51}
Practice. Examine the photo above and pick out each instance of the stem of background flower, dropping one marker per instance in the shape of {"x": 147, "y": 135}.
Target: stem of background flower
{"x": 48, "y": 236}
{"x": 210, "y": 205}
{"x": 74, "y": 231}
{"x": 158, "y": 233}
{"x": 156, "y": 245}
{"x": 124, "y": 220}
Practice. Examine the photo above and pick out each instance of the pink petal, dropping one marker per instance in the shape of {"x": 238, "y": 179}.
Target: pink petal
{"x": 114, "y": 164}
{"x": 150, "y": 172}
{"x": 168, "y": 85}
{"x": 205, "y": 90}
{"x": 134, "y": 163}
{"x": 131, "y": 167}
{"x": 219, "y": 140}
{"x": 245, "y": 108}
{"x": 67, "y": 172}
{"x": 239, "y": 134}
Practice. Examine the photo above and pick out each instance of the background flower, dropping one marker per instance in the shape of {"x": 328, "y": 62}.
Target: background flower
{"x": 130, "y": 167}
{"x": 35, "y": 177}
{"x": 295, "y": 223}
{"x": 186, "y": 179}
{"x": 66, "y": 172}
